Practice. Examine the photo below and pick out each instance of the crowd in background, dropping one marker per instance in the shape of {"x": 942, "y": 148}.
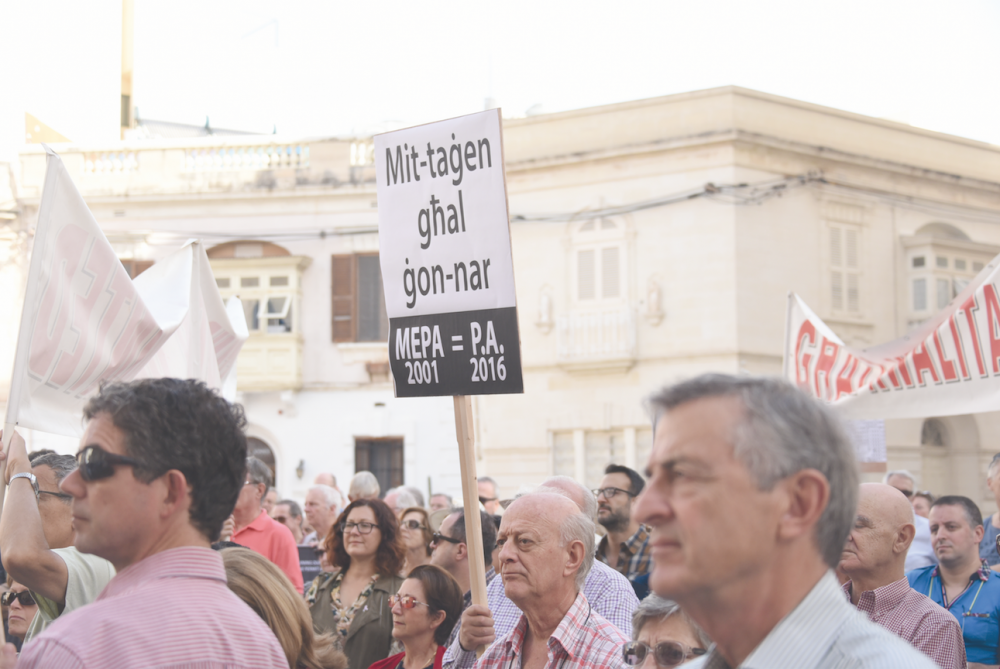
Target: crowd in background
{"x": 726, "y": 553}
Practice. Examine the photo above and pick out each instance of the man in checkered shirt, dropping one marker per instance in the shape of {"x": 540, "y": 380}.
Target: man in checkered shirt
{"x": 546, "y": 550}
{"x": 874, "y": 559}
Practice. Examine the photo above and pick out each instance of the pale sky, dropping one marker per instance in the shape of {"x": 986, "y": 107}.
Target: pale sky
{"x": 318, "y": 67}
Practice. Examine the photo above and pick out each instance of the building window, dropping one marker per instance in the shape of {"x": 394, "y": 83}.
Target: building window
{"x": 845, "y": 268}
{"x": 598, "y": 259}
{"x": 358, "y": 307}
{"x": 382, "y": 457}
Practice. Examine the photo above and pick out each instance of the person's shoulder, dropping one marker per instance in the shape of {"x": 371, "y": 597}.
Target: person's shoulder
{"x": 871, "y": 645}
{"x": 74, "y": 559}
{"x": 389, "y": 583}
{"x": 602, "y": 573}
{"x": 388, "y": 663}
{"x": 919, "y": 574}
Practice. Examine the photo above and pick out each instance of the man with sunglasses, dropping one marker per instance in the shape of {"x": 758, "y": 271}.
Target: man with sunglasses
{"x": 451, "y": 553}
{"x": 489, "y": 495}
{"x": 161, "y": 464}
{"x": 36, "y": 537}
{"x": 626, "y": 545}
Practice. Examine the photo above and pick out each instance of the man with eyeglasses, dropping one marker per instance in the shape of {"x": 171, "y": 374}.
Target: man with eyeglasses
{"x": 921, "y": 553}
{"x": 161, "y": 465}
{"x": 258, "y": 531}
{"x": 36, "y": 537}
{"x": 451, "y": 553}
{"x": 289, "y": 513}
{"x": 626, "y": 545}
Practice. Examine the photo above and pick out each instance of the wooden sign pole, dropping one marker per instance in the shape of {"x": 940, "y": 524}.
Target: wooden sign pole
{"x": 470, "y": 498}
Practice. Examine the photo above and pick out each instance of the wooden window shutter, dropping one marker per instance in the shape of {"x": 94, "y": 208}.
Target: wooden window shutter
{"x": 344, "y": 306}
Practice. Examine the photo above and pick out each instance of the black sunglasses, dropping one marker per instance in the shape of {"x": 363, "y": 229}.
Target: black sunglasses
{"x": 24, "y": 597}
{"x": 95, "y": 463}
{"x": 666, "y": 653}
{"x": 437, "y": 538}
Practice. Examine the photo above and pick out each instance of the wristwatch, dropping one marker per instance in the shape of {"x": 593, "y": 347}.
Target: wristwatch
{"x": 30, "y": 477}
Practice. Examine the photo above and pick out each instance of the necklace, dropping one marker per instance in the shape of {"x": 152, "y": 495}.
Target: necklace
{"x": 427, "y": 662}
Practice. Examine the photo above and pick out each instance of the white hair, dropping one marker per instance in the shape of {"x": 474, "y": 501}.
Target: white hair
{"x": 589, "y": 507}
{"x": 364, "y": 485}
{"x": 330, "y": 495}
{"x": 899, "y": 472}
{"x": 404, "y": 498}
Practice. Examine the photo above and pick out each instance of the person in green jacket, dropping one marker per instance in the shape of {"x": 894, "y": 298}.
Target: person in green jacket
{"x": 352, "y": 602}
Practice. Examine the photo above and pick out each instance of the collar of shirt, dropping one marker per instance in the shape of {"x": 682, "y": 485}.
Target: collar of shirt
{"x": 637, "y": 539}
{"x": 882, "y": 599}
{"x": 259, "y": 523}
{"x": 183, "y": 562}
{"x": 981, "y": 574}
{"x": 568, "y": 634}
{"x": 805, "y": 634}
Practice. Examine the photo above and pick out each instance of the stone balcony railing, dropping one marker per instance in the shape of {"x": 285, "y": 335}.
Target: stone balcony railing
{"x": 205, "y": 165}
{"x": 590, "y": 340}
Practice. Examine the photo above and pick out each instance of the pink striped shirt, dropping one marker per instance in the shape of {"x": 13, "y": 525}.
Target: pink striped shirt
{"x": 172, "y": 609}
{"x": 583, "y": 640}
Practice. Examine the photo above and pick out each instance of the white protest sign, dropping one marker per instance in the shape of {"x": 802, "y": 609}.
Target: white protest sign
{"x": 444, "y": 249}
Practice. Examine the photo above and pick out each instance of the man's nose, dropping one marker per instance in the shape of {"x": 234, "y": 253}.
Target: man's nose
{"x": 72, "y": 484}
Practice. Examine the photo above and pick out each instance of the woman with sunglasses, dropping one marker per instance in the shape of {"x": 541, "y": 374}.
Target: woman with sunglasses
{"x": 352, "y": 602}
{"x": 424, "y": 611}
{"x": 663, "y": 636}
{"x": 21, "y": 609}
{"x": 417, "y": 537}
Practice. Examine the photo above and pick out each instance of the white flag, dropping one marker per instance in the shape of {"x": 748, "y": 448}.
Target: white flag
{"x": 949, "y": 365}
{"x": 85, "y": 322}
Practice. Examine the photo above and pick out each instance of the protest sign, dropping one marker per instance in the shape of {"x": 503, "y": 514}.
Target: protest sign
{"x": 448, "y": 276}
{"x": 948, "y": 365}
{"x": 444, "y": 250}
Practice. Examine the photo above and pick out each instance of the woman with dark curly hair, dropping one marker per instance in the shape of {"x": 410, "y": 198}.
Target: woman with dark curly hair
{"x": 424, "y": 611}
{"x": 352, "y": 602}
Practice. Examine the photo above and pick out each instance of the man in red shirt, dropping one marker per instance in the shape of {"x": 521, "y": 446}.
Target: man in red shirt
{"x": 258, "y": 531}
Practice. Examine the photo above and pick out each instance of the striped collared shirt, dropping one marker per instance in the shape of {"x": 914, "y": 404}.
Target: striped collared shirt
{"x": 917, "y": 620}
{"x": 583, "y": 640}
{"x": 825, "y": 632}
{"x": 609, "y": 593}
{"x": 633, "y": 555}
{"x": 172, "y": 609}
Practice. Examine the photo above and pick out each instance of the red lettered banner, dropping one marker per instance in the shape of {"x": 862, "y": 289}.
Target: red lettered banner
{"x": 949, "y": 365}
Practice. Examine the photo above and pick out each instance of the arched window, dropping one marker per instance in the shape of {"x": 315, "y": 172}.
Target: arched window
{"x": 933, "y": 433}
{"x": 257, "y": 448}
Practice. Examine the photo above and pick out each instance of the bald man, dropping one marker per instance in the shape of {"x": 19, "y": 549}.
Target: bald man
{"x": 874, "y": 559}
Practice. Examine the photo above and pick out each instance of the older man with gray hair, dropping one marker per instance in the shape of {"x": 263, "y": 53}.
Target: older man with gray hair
{"x": 752, "y": 491}
{"x": 322, "y": 506}
{"x": 921, "y": 553}
{"x": 546, "y": 551}
{"x": 608, "y": 592}
{"x": 364, "y": 485}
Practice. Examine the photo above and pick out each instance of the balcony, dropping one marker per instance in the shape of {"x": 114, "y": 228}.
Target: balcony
{"x": 600, "y": 340}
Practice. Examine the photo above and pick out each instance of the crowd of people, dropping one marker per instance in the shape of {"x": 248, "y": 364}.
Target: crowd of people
{"x": 748, "y": 541}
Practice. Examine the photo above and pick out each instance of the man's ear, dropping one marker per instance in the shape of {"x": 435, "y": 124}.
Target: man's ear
{"x": 177, "y": 492}
{"x": 462, "y": 551}
{"x": 575, "y": 554}
{"x": 808, "y": 493}
{"x": 904, "y": 537}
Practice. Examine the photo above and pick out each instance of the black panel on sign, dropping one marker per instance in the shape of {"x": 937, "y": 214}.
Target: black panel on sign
{"x": 462, "y": 353}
